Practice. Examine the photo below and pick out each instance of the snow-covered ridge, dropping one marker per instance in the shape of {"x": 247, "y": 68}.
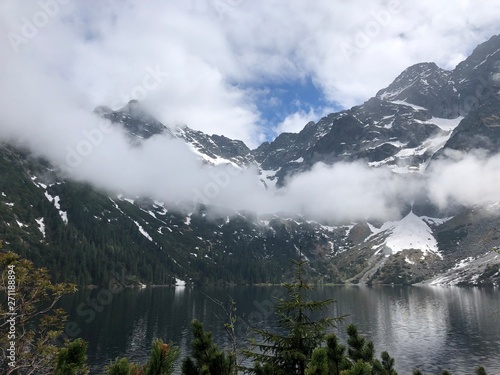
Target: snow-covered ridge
{"x": 429, "y": 147}
{"x": 411, "y": 232}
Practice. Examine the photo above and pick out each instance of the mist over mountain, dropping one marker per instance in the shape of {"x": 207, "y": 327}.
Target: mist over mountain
{"x": 399, "y": 175}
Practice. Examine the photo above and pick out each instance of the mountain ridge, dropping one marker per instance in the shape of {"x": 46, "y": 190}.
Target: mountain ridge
{"x": 86, "y": 235}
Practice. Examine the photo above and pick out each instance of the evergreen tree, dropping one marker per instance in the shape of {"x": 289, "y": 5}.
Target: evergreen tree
{"x": 120, "y": 366}
{"x": 336, "y": 355}
{"x": 359, "y": 368}
{"x": 359, "y": 347}
{"x": 388, "y": 364}
{"x": 161, "y": 362}
{"x": 290, "y": 350}
{"x": 319, "y": 363}
{"x": 72, "y": 359}
{"x": 207, "y": 359}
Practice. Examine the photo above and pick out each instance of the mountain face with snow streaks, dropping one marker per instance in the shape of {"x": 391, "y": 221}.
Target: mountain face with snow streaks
{"x": 406, "y": 127}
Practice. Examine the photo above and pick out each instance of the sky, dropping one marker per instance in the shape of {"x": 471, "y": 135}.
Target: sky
{"x": 245, "y": 69}
{"x": 268, "y": 66}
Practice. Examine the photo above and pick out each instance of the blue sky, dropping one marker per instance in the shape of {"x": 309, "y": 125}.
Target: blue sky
{"x": 277, "y": 101}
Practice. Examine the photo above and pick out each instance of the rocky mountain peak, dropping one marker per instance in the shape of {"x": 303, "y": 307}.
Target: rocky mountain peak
{"x": 425, "y": 85}
{"x": 135, "y": 119}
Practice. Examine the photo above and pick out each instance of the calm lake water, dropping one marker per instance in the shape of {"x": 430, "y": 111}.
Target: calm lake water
{"x": 432, "y": 328}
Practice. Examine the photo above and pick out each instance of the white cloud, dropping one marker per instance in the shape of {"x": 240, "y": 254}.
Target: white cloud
{"x": 468, "y": 179}
{"x": 295, "y": 122}
{"x": 203, "y": 56}
{"x": 210, "y": 50}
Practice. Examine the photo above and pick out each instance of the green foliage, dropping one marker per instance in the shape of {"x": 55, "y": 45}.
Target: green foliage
{"x": 319, "y": 362}
{"x": 120, "y": 366}
{"x": 359, "y": 368}
{"x": 359, "y": 348}
{"x": 161, "y": 362}
{"x": 38, "y": 322}
{"x": 207, "y": 359}
{"x": 72, "y": 359}
{"x": 388, "y": 364}
{"x": 337, "y": 360}
{"x": 290, "y": 350}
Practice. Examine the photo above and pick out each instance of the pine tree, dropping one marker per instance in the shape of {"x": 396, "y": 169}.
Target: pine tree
{"x": 319, "y": 363}
{"x": 207, "y": 359}
{"x": 120, "y": 366}
{"x": 388, "y": 364}
{"x": 72, "y": 359}
{"x": 161, "y": 362}
{"x": 336, "y": 355}
{"x": 290, "y": 351}
{"x": 359, "y": 348}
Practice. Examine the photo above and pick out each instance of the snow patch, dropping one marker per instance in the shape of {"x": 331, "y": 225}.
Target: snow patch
{"x": 21, "y": 225}
{"x": 55, "y": 200}
{"x": 463, "y": 263}
{"x": 269, "y": 177}
{"x": 122, "y": 198}
{"x": 415, "y": 107}
{"x": 64, "y": 216}
{"x": 41, "y": 226}
{"x": 411, "y": 232}
{"x": 143, "y": 232}
{"x": 179, "y": 282}
{"x": 444, "y": 123}
{"x": 407, "y": 260}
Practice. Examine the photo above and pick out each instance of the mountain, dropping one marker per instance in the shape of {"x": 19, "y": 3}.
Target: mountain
{"x": 86, "y": 235}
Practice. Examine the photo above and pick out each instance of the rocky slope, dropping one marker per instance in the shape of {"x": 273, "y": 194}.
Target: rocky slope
{"x": 86, "y": 235}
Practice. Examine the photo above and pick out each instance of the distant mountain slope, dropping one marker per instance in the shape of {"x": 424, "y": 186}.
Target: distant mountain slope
{"x": 86, "y": 235}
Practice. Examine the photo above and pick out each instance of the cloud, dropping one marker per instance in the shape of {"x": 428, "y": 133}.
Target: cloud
{"x": 295, "y": 122}
{"x": 191, "y": 62}
{"x": 349, "y": 191}
{"x": 209, "y": 51}
{"x": 465, "y": 178}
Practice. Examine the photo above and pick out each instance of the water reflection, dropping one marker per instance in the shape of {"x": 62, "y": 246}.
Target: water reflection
{"x": 427, "y": 327}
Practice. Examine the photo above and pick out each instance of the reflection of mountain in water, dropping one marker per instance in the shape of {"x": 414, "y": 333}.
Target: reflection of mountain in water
{"x": 419, "y": 326}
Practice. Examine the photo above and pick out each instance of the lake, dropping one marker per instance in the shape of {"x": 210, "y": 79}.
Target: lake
{"x": 432, "y": 328}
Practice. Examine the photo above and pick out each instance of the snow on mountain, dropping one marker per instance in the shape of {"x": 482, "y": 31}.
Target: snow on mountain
{"x": 411, "y": 232}
{"x": 415, "y": 107}
{"x": 41, "y": 226}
